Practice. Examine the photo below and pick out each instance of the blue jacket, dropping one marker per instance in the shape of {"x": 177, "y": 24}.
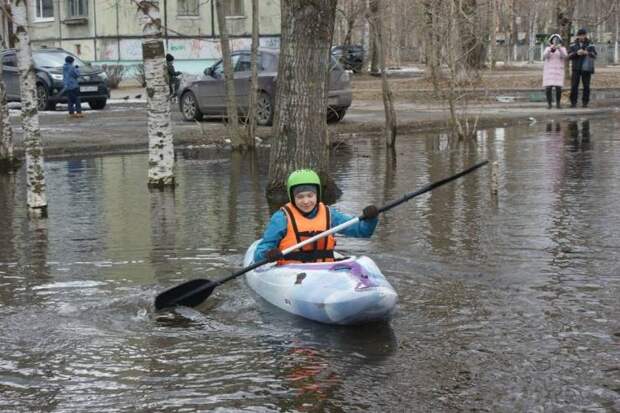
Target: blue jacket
{"x": 70, "y": 75}
{"x": 276, "y": 229}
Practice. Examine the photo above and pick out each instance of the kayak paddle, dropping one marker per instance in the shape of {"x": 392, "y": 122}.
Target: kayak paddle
{"x": 192, "y": 293}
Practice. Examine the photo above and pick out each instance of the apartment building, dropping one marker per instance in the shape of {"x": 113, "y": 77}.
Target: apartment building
{"x": 110, "y": 31}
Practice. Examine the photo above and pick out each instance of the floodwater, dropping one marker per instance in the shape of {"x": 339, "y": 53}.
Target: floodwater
{"x": 507, "y": 303}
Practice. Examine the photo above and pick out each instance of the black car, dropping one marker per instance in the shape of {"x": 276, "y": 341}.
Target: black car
{"x": 48, "y": 63}
{"x": 351, "y": 57}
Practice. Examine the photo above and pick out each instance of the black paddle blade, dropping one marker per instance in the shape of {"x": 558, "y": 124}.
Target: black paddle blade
{"x": 189, "y": 294}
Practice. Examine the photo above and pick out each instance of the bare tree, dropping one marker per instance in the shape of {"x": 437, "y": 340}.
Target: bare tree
{"x": 300, "y": 135}
{"x": 616, "y": 33}
{"x": 452, "y": 23}
{"x": 35, "y": 165}
{"x": 388, "y": 100}
{"x": 232, "y": 110}
{"x": 349, "y": 13}
{"x": 430, "y": 38}
{"x": 564, "y": 13}
{"x": 492, "y": 34}
{"x": 254, "y": 76}
{"x": 161, "y": 146}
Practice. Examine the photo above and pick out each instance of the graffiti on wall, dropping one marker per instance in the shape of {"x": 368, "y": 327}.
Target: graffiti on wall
{"x": 184, "y": 49}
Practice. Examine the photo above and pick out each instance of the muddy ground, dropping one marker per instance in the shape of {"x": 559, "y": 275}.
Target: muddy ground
{"x": 121, "y": 126}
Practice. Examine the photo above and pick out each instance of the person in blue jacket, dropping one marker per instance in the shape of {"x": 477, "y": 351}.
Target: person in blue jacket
{"x": 305, "y": 216}
{"x": 70, "y": 76}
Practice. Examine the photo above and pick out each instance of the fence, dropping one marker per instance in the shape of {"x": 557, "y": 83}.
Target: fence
{"x": 504, "y": 53}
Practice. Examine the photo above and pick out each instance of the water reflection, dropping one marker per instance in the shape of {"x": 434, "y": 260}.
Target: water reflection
{"x": 497, "y": 298}
{"x": 163, "y": 233}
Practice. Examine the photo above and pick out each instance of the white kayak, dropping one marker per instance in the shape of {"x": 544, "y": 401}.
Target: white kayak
{"x": 348, "y": 291}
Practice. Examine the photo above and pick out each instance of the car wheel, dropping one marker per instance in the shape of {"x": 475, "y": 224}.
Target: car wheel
{"x": 335, "y": 115}
{"x": 189, "y": 107}
{"x": 97, "y": 104}
{"x": 43, "y": 98}
{"x": 264, "y": 110}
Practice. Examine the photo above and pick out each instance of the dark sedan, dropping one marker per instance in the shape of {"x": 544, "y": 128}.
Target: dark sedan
{"x": 207, "y": 96}
{"x": 48, "y": 63}
{"x": 351, "y": 57}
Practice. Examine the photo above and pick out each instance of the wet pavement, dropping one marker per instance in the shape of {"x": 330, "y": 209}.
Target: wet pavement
{"x": 507, "y": 303}
{"x": 121, "y": 126}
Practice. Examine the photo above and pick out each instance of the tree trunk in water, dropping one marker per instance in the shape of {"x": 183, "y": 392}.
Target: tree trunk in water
{"x": 300, "y": 134}
{"x": 161, "y": 146}
{"x": 254, "y": 76}
{"x": 8, "y": 162}
{"x": 232, "y": 110}
{"x": 388, "y": 101}
{"x": 35, "y": 168}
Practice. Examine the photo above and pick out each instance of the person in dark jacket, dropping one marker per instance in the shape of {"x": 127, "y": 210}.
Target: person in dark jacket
{"x": 70, "y": 76}
{"x": 172, "y": 75}
{"x": 582, "y": 53}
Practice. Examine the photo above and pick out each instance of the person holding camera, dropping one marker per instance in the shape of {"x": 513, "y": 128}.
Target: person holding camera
{"x": 554, "y": 57}
{"x": 582, "y": 53}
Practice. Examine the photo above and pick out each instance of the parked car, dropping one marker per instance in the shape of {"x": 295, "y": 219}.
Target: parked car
{"x": 48, "y": 64}
{"x": 351, "y": 57}
{"x": 207, "y": 96}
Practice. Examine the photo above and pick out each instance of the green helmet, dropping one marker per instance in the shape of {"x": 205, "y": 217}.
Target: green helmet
{"x": 303, "y": 177}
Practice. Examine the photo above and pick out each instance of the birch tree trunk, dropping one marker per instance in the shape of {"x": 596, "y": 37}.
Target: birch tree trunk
{"x": 254, "y": 76}
{"x": 161, "y": 146}
{"x": 388, "y": 101}
{"x": 236, "y": 138}
{"x": 8, "y": 162}
{"x": 300, "y": 135}
{"x": 35, "y": 167}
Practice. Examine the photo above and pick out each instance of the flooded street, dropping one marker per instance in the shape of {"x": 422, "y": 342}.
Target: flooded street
{"x": 507, "y": 303}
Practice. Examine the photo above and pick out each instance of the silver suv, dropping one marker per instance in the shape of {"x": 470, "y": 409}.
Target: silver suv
{"x": 207, "y": 96}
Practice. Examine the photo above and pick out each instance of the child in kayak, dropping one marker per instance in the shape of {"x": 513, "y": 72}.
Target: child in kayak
{"x": 305, "y": 216}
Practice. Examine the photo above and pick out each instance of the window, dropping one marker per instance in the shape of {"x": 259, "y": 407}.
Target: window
{"x": 188, "y": 8}
{"x": 9, "y": 60}
{"x": 218, "y": 69}
{"x": 77, "y": 8}
{"x": 234, "y": 8}
{"x": 244, "y": 64}
{"x": 53, "y": 59}
{"x": 43, "y": 10}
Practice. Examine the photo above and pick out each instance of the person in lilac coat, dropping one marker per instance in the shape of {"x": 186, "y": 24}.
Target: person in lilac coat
{"x": 554, "y": 58}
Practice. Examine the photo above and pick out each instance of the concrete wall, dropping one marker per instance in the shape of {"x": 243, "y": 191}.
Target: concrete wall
{"x": 112, "y": 31}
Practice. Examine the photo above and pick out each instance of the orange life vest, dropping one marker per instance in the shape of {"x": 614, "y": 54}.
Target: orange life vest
{"x": 299, "y": 228}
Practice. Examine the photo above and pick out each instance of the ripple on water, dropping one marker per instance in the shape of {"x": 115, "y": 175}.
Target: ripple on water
{"x": 506, "y": 303}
